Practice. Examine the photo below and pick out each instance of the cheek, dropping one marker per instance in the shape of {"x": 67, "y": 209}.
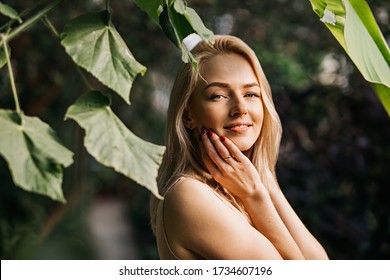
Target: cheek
{"x": 258, "y": 116}
{"x": 260, "y": 111}
{"x": 208, "y": 116}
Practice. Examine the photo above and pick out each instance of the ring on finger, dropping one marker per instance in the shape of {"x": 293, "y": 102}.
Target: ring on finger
{"x": 226, "y": 158}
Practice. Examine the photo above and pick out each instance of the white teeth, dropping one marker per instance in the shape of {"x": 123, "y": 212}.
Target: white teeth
{"x": 238, "y": 126}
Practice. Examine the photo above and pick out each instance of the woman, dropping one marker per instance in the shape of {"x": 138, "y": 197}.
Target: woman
{"x": 222, "y": 199}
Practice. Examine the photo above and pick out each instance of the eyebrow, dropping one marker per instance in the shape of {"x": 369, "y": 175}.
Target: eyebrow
{"x": 225, "y": 85}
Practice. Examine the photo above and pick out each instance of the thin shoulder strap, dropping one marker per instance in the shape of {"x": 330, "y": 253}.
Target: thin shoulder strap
{"x": 163, "y": 223}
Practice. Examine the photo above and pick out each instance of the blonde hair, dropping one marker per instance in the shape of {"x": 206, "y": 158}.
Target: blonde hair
{"x": 182, "y": 157}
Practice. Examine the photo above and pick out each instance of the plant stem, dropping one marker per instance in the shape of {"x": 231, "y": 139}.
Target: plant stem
{"x": 89, "y": 86}
{"x": 108, "y": 12}
{"x": 11, "y": 73}
{"x": 48, "y": 23}
{"x": 50, "y": 26}
{"x": 33, "y": 19}
{"x": 22, "y": 14}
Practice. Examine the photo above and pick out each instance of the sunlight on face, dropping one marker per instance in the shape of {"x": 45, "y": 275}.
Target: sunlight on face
{"x": 230, "y": 102}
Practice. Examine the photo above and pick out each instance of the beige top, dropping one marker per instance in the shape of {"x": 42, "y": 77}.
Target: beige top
{"x": 164, "y": 249}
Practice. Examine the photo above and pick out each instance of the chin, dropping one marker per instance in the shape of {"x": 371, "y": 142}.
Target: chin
{"x": 244, "y": 147}
{"x": 243, "y": 142}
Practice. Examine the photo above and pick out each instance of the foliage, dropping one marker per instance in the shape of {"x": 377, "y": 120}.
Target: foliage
{"x": 178, "y": 21}
{"x": 9, "y": 12}
{"x": 93, "y": 43}
{"x": 334, "y": 153}
{"x": 34, "y": 153}
{"x": 354, "y": 26}
{"x": 112, "y": 144}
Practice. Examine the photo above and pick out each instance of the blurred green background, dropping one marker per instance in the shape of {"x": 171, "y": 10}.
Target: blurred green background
{"x": 334, "y": 160}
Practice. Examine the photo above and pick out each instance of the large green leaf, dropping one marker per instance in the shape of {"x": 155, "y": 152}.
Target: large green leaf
{"x": 34, "y": 154}
{"x": 152, "y": 7}
{"x": 94, "y": 44}
{"x": 174, "y": 25}
{"x": 337, "y": 8}
{"x": 383, "y": 93}
{"x": 196, "y": 22}
{"x": 109, "y": 141}
{"x": 367, "y": 18}
{"x": 178, "y": 21}
{"x": 365, "y": 46}
{"x": 356, "y": 30}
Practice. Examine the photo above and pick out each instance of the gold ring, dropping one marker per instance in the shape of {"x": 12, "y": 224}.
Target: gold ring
{"x": 226, "y": 158}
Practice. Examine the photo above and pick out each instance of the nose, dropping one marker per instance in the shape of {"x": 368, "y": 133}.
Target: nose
{"x": 239, "y": 107}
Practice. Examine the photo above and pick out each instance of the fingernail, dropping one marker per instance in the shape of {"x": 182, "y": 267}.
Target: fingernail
{"x": 223, "y": 138}
{"x": 203, "y": 130}
{"x": 211, "y": 133}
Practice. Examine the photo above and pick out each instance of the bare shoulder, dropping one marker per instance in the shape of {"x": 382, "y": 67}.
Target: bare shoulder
{"x": 199, "y": 222}
{"x": 196, "y": 202}
{"x": 187, "y": 192}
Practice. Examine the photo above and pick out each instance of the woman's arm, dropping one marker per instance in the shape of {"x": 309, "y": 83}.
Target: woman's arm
{"x": 308, "y": 245}
{"x": 234, "y": 171}
{"x": 200, "y": 224}
{"x": 267, "y": 220}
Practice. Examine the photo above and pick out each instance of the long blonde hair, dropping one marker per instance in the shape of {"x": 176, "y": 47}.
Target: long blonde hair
{"x": 182, "y": 157}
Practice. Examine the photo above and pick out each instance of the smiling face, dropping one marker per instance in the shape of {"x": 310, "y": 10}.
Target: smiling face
{"x": 230, "y": 102}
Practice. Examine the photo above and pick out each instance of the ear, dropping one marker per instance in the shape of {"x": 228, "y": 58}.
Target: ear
{"x": 189, "y": 120}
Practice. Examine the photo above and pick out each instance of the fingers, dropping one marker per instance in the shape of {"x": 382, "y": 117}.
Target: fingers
{"x": 214, "y": 148}
{"x": 210, "y": 165}
{"x": 233, "y": 149}
{"x": 220, "y": 149}
{"x": 227, "y": 164}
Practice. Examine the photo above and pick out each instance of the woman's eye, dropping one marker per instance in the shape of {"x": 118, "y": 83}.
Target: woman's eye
{"x": 216, "y": 96}
{"x": 252, "y": 94}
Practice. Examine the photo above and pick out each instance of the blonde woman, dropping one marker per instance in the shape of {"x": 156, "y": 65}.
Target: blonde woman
{"x": 222, "y": 198}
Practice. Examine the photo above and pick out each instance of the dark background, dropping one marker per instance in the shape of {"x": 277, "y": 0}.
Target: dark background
{"x": 334, "y": 159}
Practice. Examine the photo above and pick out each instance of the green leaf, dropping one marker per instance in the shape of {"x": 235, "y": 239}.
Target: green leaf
{"x": 371, "y": 56}
{"x": 175, "y": 25}
{"x": 338, "y": 9}
{"x": 109, "y": 141}
{"x": 94, "y": 44}
{"x": 198, "y": 25}
{"x": 34, "y": 154}
{"x": 178, "y": 21}
{"x": 364, "y": 12}
{"x": 383, "y": 93}
{"x": 180, "y": 6}
{"x": 9, "y": 12}
{"x": 358, "y": 33}
{"x": 152, "y": 7}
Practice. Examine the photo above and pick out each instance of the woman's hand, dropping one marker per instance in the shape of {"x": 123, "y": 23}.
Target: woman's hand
{"x": 229, "y": 166}
{"x": 233, "y": 170}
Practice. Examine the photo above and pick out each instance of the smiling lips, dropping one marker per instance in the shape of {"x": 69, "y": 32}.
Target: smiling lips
{"x": 237, "y": 127}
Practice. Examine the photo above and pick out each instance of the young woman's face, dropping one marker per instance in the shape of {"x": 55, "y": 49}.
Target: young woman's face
{"x": 229, "y": 102}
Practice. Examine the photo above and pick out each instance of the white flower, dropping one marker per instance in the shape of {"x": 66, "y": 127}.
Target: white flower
{"x": 329, "y": 17}
{"x": 191, "y": 41}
